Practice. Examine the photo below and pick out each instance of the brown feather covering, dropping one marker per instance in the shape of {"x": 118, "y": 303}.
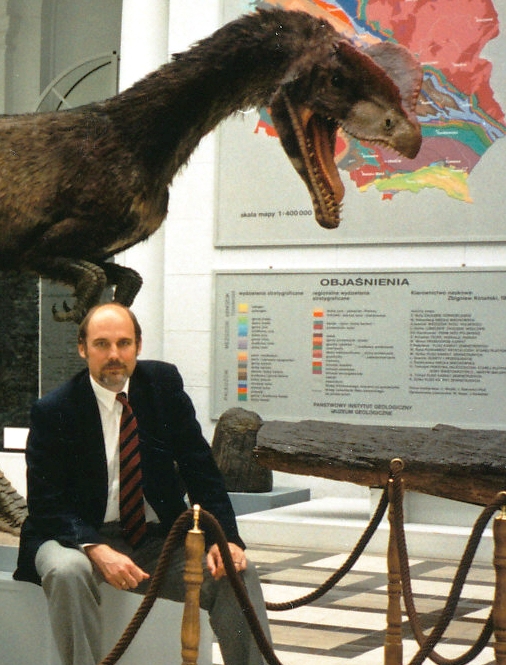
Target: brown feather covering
{"x": 78, "y": 186}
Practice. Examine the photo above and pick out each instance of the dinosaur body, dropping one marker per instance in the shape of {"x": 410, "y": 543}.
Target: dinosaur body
{"x": 78, "y": 186}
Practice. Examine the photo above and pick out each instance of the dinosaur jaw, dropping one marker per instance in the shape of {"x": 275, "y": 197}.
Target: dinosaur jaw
{"x": 309, "y": 141}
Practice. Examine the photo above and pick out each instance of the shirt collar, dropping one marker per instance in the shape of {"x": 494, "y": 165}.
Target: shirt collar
{"x": 105, "y": 396}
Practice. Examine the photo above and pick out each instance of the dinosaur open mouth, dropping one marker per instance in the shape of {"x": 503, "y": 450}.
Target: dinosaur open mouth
{"x": 309, "y": 141}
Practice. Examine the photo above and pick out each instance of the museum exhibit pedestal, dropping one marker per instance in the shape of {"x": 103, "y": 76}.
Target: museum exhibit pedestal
{"x": 255, "y": 502}
{"x": 26, "y": 634}
{"x": 334, "y": 524}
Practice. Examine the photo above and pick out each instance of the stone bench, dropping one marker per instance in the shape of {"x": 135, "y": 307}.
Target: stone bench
{"x": 27, "y": 639}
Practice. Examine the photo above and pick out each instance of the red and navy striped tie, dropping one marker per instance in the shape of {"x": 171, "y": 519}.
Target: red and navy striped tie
{"x": 131, "y": 499}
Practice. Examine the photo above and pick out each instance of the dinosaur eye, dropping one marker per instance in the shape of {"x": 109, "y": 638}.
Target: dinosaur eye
{"x": 388, "y": 123}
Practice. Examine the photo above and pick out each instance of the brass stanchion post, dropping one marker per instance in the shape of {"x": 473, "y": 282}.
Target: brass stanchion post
{"x": 499, "y": 606}
{"x": 393, "y": 637}
{"x": 193, "y": 577}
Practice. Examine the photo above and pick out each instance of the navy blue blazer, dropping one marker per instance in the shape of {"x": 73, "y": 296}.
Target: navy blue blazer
{"x": 67, "y": 471}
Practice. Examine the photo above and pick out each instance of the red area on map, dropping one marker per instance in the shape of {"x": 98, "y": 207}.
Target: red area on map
{"x": 447, "y": 35}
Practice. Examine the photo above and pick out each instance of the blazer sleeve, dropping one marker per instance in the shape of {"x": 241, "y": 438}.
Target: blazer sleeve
{"x": 193, "y": 454}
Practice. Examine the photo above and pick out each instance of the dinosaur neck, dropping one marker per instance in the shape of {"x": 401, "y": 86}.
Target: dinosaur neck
{"x": 164, "y": 116}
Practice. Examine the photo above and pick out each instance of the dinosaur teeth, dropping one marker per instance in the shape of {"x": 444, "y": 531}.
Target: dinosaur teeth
{"x": 314, "y": 136}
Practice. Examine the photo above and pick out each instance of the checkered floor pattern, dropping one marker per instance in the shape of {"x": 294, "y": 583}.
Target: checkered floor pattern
{"x": 347, "y": 625}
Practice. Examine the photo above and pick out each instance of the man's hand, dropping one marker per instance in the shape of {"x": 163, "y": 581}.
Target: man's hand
{"x": 215, "y": 562}
{"x": 118, "y": 569}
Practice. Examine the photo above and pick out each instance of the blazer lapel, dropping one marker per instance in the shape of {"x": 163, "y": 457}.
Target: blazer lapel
{"x": 92, "y": 440}
{"x": 139, "y": 396}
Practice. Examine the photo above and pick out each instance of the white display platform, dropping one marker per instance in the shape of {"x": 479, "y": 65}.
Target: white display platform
{"x": 254, "y": 502}
{"x": 334, "y": 524}
{"x": 27, "y": 639}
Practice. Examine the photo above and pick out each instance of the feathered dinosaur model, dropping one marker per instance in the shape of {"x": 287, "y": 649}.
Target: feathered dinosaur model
{"x": 78, "y": 186}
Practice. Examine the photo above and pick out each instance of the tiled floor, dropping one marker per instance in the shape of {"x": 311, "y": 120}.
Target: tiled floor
{"x": 347, "y": 625}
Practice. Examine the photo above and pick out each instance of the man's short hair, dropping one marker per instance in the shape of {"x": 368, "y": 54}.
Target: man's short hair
{"x": 82, "y": 332}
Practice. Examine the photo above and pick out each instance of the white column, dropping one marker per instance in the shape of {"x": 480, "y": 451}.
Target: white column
{"x": 21, "y": 53}
{"x": 144, "y": 47}
{"x": 4, "y": 28}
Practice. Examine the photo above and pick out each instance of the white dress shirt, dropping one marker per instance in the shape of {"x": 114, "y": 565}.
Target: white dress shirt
{"x": 110, "y": 415}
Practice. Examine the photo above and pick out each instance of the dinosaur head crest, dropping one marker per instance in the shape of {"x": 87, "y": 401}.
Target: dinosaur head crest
{"x": 370, "y": 94}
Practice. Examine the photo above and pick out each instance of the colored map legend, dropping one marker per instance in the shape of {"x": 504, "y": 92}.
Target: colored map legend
{"x": 318, "y": 318}
{"x": 419, "y": 347}
{"x": 242, "y": 351}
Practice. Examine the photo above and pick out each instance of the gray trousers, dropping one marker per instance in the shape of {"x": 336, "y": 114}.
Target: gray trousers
{"x": 71, "y": 584}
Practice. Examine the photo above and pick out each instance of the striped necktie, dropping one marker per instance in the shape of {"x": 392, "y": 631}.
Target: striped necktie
{"x": 131, "y": 499}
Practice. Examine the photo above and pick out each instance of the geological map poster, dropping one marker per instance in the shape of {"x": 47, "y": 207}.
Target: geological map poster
{"x": 410, "y": 348}
{"x": 453, "y": 189}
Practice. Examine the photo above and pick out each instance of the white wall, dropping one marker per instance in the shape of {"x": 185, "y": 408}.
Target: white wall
{"x": 44, "y": 37}
{"x": 22, "y": 61}
{"x": 74, "y": 31}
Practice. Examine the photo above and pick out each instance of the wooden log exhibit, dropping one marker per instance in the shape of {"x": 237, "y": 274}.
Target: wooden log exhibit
{"x": 233, "y": 445}
{"x": 460, "y": 464}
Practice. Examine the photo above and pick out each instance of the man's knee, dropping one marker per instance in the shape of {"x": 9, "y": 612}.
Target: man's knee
{"x": 65, "y": 566}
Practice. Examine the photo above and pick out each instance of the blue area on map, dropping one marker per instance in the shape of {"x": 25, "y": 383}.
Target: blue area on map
{"x": 465, "y": 112}
{"x": 351, "y": 8}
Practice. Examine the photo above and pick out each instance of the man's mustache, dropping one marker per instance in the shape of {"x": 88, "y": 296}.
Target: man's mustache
{"x": 113, "y": 364}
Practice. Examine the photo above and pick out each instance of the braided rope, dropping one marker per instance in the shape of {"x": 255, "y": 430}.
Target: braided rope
{"x": 427, "y": 643}
{"x": 174, "y": 539}
{"x": 345, "y": 568}
{"x": 212, "y": 525}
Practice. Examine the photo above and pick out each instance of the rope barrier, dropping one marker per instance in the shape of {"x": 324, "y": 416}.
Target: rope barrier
{"x": 174, "y": 538}
{"x": 179, "y": 528}
{"x": 345, "y": 568}
{"x": 426, "y": 643}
